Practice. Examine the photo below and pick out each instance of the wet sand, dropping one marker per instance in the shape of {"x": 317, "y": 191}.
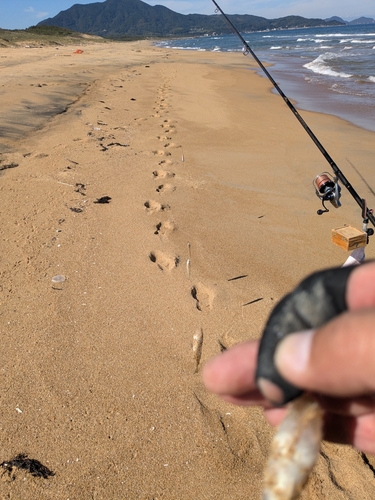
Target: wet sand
{"x": 356, "y": 109}
{"x": 201, "y": 162}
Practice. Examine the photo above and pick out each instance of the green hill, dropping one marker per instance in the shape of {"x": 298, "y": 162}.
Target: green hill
{"x": 37, "y": 36}
{"x": 116, "y": 18}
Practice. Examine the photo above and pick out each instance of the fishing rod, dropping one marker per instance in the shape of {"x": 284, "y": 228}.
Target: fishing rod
{"x": 326, "y": 186}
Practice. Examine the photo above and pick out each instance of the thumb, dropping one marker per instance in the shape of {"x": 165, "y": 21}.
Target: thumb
{"x": 337, "y": 359}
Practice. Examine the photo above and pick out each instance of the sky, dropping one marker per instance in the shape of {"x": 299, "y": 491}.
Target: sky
{"x": 20, "y": 14}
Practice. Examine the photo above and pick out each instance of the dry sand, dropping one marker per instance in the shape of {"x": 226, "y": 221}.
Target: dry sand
{"x": 201, "y": 162}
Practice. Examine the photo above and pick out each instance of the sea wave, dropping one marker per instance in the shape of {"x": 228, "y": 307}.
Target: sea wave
{"x": 351, "y": 35}
{"x": 321, "y": 65}
{"x": 349, "y": 40}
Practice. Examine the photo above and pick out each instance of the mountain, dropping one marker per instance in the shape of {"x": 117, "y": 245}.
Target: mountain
{"x": 362, "y": 20}
{"x": 116, "y": 18}
{"x": 336, "y": 18}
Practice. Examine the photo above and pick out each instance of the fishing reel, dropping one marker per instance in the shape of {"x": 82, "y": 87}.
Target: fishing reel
{"x": 327, "y": 189}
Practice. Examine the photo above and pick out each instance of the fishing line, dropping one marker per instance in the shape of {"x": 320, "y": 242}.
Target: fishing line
{"x": 333, "y": 192}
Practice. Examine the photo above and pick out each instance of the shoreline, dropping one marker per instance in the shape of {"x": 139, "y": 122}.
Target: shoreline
{"x": 167, "y": 158}
{"x": 297, "y": 89}
{"x": 320, "y": 99}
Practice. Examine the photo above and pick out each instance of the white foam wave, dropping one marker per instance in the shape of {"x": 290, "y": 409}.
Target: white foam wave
{"x": 182, "y": 48}
{"x": 321, "y": 66}
{"x": 277, "y": 36}
{"x": 347, "y": 35}
{"x": 350, "y": 40}
{"x": 371, "y": 79}
{"x": 276, "y": 48}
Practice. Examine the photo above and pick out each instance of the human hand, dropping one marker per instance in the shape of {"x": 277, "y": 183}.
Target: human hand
{"x": 335, "y": 362}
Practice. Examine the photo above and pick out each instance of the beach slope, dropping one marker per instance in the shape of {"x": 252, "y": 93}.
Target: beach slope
{"x": 148, "y": 196}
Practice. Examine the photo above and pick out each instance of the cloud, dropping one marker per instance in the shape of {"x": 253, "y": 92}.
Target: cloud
{"x": 36, "y": 14}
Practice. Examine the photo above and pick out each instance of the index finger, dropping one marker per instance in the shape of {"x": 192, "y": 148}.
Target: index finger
{"x": 233, "y": 372}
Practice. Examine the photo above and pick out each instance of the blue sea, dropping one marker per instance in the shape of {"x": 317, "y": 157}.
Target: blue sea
{"x": 325, "y": 69}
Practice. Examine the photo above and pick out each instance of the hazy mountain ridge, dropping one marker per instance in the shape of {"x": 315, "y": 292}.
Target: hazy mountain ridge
{"x": 116, "y": 18}
{"x": 360, "y": 20}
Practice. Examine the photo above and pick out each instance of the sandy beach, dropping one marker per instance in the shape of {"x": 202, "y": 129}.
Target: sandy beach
{"x": 149, "y": 179}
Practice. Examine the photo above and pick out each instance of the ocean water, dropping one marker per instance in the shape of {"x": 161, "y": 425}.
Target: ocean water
{"x": 326, "y": 69}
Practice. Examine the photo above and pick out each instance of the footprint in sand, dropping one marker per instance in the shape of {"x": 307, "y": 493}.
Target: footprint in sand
{"x": 165, "y": 228}
{"x": 168, "y": 145}
{"x": 164, "y": 261}
{"x": 165, "y": 188}
{"x": 163, "y": 138}
{"x": 167, "y": 124}
{"x": 163, "y": 174}
{"x": 153, "y": 206}
{"x": 203, "y": 296}
{"x": 162, "y": 153}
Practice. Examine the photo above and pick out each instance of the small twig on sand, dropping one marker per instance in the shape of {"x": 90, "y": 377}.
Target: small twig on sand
{"x": 65, "y": 184}
{"x": 72, "y": 161}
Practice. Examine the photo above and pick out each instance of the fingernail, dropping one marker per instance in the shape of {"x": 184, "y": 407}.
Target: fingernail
{"x": 293, "y": 353}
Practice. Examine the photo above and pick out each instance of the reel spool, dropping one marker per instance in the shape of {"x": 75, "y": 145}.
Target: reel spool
{"x": 327, "y": 189}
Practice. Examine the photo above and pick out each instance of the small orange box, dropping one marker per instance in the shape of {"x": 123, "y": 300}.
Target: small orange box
{"x": 349, "y": 238}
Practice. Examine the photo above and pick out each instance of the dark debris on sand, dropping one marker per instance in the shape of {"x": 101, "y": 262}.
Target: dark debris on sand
{"x": 34, "y": 467}
{"x": 10, "y": 165}
{"x": 103, "y": 199}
